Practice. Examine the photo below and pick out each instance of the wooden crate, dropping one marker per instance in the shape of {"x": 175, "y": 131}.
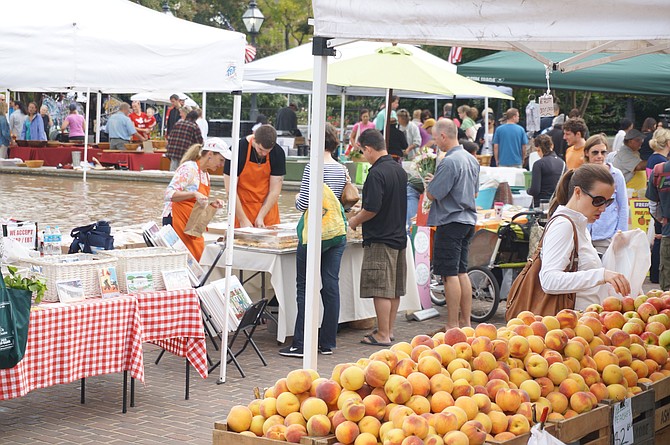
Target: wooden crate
{"x": 642, "y": 405}
{"x": 221, "y": 436}
{"x": 523, "y": 439}
{"x": 661, "y": 390}
{"x": 590, "y": 428}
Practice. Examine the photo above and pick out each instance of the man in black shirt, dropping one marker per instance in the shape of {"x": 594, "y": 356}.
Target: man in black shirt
{"x": 384, "y": 269}
{"x": 287, "y": 120}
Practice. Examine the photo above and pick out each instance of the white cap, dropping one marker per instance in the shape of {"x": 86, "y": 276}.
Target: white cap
{"x": 217, "y": 145}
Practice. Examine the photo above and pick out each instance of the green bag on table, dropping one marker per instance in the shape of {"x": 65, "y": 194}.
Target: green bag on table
{"x": 14, "y": 319}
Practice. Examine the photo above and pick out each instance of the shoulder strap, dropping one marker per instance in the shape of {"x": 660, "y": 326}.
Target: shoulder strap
{"x": 574, "y": 257}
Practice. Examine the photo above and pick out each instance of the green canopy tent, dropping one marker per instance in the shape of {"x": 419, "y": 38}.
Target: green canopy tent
{"x": 644, "y": 75}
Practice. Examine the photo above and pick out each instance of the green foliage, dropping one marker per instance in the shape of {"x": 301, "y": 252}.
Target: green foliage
{"x": 16, "y": 281}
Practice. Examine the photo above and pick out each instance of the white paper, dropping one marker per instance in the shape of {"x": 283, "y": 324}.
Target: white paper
{"x": 546, "y": 105}
{"x": 622, "y": 428}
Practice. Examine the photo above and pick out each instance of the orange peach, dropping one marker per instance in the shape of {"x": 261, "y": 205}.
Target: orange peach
{"x": 295, "y": 432}
{"x": 518, "y": 424}
{"x": 456, "y": 438}
{"x": 508, "y": 400}
{"x": 559, "y": 402}
{"x": 299, "y": 380}
{"x": 429, "y": 366}
{"x": 276, "y": 432}
{"x": 486, "y": 330}
{"x": 398, "y": 389}
{"x": 475, "y": 432}
{"x": 239, "y": 418}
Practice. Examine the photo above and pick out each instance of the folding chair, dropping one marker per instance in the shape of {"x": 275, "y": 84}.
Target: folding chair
{"x": 248, "y": 324}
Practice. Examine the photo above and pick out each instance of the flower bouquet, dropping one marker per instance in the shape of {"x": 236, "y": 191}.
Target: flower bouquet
{"x": 425, "y": 163}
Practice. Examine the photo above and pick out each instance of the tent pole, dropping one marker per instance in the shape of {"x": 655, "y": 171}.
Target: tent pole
{"x": 230, "y": 232}
{"x": 309, "y": 117}
{"x": 98, "y": 107}
{"x": 435, "y": 109}
{"x": 204, "y": 105}
{"x": 88, "y": 110}
{"x": 288, "y": 99}
{"x": 343, "y": 100}
{"x": 313, "y": 278}
{"x": 387, "y": 110}
{"x": 163, "y": 118}
{"x": 486, "y": 121}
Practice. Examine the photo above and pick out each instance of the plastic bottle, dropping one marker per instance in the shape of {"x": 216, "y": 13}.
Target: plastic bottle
{"x": 47, "y": 240}
{"x": 56, "y": 240}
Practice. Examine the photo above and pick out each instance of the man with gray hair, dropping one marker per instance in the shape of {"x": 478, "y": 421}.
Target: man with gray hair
{"x": 453, "y": 211}
{"x": 120, "y": 128}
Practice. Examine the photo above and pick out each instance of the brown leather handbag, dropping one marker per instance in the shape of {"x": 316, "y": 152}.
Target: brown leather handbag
{"x": 526, "y": 293}
{"x": 350, "y": 195}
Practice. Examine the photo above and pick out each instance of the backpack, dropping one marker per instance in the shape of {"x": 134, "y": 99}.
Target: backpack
{"x": 91, "y": 238}
{"x": 660, "y": 177}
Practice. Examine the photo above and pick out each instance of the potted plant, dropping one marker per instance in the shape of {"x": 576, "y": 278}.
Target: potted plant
{"x": 33, "y": 285}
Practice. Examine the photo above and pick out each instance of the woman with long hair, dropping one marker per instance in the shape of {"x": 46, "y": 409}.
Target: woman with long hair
{"x": 615, "y": 217}
{"x": 546, "y": 171}
{"x": 582, "y": 195}
{"x": 33, "y": 126}
{"x": 660, "y": 143}
{"x": 361, "y": 126}
{"x": 191, "y": 184}
{"x": 648, "y": 128}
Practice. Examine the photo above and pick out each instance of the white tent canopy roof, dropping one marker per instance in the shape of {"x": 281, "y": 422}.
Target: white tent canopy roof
{"x": 100, "y": 44}
{"x": 633, "y": 26}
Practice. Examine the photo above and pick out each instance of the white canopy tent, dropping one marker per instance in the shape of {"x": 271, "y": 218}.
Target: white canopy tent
{"x": 521, "y": 25}
{"x": 93, "y": 45}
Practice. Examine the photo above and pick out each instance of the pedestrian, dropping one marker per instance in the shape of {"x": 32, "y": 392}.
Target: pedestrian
{"x": 360, "y": 126}
{"x": 546, "y": 171}
{"x": 624, "y": 126}
{"x": 412, "y": 134}
{"x": 335, "y": 177}
{"x": 5, "y": 136}
{"x": 380, "y": 119}
{"x": 452, "y": 190}
{"x": 648, "y": 128}
{"x": 555, "y": 132}
{"x": 191, "y": 184}
{"x": 172, "y": 115}
{"x": 628, "y": 159}
{"x": 44, "y": 114}
{"x": 33, "y": 126}
{"x": 140, "y": 120}
{"x": 468, "y": 125}
{"x": 120, "y": 128}
{"x": 287, "y": 120}
{"x": 582, "y": 196}
{"x": 17, "y": 119}
{"x": 660, "y": 143}
{"x": 509, "y": 141}
{"x": 261, "y": 169}
{"x": 615, "y": 216}
{"x": 74, "y": 123}
{"x": 382, "y": 217}
{"x": 184, "y": 134}
{"x": 574, "y": 133}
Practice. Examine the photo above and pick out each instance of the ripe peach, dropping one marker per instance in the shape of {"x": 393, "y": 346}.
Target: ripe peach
{"x": 418, "y": 404}
{"x": 422, "y": 340}
{"x": 616, "y": 391}
{"x": 443, "y": 422}
{"x": 508, "y": 400}
{"x": 536, "y": 365}
{"x": 604, "y": 358}
{"x": 462, "y": 388}
{"x": 441, "y": 382}
{"x": 366, "y": 439}
{"x": 518, "y": 346}
{"x": 398, "y": 389}
{"x": 536, "y": 344}
{"x": 415, "y": 425}
{"x": 299, "y": 380}
{"x": 387, "y": 356}
{"x": 559, "y": 401}
{"x": 456, "y": 438}
{"x": 276, "y": 432}
{"x": 375, "y": 406}
{"x": 599, "y": 390}
{"x": 461, "y": 415}
{"x": 287, "y": 403}
{"x": 581, "y": 402}
{"x": 567, "y": 318}
{"x": 494, "y": 385}
{"x": 447, "y": 353}
{"x": 500, "y": 349}
{"x": 612, "y": 304}
{"x": 239, "y": 418}
{"x": 430, "y": 366}
{"x": 518, "y": 424}
{"x": 558, "y": 372}
{"x": 532, "y": 388}
{"x": 268, "y": 407}
{"x": 556, "y": 339}
{"x": 475, "y": 432}
{"x": 498, "y": 422}
{"x": 295, "y": 432}
{"x": 486, "y": 330}
{"x": 453, "y": 336}
{"x": 272, "y": 421}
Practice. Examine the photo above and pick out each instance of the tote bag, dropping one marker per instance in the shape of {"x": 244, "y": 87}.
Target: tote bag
{"x": 526, "y": 293}
{"x": 333, "y": 221}
{"x": 14, "y": 319}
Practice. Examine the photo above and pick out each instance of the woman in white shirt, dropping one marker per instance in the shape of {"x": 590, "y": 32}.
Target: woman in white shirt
{"x": 582, "y": 195}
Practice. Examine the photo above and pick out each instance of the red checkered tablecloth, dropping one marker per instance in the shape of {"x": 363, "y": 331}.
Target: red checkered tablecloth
{"x": 67, "y": 342}
{"x": 172, "y": 320}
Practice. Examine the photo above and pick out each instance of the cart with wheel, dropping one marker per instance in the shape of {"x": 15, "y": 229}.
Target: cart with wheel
{"x": 492, "y": 251}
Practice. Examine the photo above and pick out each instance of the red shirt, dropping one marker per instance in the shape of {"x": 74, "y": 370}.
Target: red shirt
{"x": 142, "y": 121}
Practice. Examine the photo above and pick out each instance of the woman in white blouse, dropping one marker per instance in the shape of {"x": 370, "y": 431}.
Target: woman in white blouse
{"x": 582, "y": 195}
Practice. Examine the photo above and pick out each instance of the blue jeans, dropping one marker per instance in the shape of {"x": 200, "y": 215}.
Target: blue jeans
{"x": 412, "y": 204}
{"x": 330, "y": 295}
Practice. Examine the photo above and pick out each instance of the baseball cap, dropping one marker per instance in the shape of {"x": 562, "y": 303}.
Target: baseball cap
{"x": 429, "y": 123}
{"x": 633, "y": 134}
{"x": 217, "y": 145}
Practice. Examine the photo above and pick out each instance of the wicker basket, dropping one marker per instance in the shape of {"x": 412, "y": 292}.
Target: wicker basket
{"x": 81, "y": 266}
{"x": 150, "y": 259}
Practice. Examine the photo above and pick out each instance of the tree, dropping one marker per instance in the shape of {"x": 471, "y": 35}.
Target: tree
{"x": 285, "y": 24}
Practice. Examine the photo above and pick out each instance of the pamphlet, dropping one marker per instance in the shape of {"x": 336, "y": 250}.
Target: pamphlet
{"x": 142, "y": 281}
{"x": 109, "y": 283}
{"x": 176, "y": 279}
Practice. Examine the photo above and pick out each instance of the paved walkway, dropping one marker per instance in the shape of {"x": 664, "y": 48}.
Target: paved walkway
{"x": 162, "y": 416}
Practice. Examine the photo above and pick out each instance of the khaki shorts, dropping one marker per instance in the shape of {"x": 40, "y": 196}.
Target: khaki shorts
{"x": 664, "y": 267}
{"x": 384, "y": 272}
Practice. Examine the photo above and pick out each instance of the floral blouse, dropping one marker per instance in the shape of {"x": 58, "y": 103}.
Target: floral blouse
{"x": 186, "y": 178}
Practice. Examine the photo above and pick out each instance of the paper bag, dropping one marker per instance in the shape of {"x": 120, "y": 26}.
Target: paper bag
{"x": 147, "y": 147}
{"x": 629, "y": 255}
{"x": 200, "y": 217}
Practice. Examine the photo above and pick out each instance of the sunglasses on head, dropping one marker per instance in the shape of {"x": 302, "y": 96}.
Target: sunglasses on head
{"x": 599, "y": 201}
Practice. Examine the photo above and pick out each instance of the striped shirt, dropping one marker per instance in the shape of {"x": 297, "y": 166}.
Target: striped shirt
{"x": 334, "y": 175}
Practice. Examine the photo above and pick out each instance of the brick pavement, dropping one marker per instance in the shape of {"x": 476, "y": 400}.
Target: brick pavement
{"x": 162, "y": 416}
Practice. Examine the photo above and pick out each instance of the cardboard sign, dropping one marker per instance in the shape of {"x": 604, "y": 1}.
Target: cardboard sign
{"x": 622, "y": 423}
{"x": 546, "y": 105}
{"x": 22, "y": 232}
{"x": 639, "y": 214}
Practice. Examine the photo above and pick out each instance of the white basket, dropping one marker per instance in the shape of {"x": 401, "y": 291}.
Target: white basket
{"x": 81, "y": 266}
{"x": 153, "y": 259}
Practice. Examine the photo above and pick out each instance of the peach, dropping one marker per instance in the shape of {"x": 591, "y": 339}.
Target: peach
{"x": 453, "y": 336}
{"x": 620, "y": 338}
{"x": 387, "y": 356}
{"x": 581, "y": 402}
{"x": 328, "y": 391}
{"x": 375, "y": 406}
{"x": 518, "y": 346}
{"x": 481, "y": 344}
{"x": 658, "y": 354}
{"x": 568, "y": 387}
{"x": 462, "y": 388}
{"x": 461, "y": 415}
{"x": 523, "y": 330}
{"x": 456, "y": 438}
{"x": 257, "y": 422}
{"x": 627, "y": 304}
{"x": 443, "y": 422}
{"x": 604, "y": 358}
{"x": 536, "y": 365}
{"x": 532, "y": 388}
{"x": 438, "y": 338}
{"x": 539, "y": 328}
{"x": 313, "y": 406}
{"x": 430, "y": 366}
{"x": 441, "y": 382}
{"x": 456, "y": 364}
{"x": 592, "y": 322}
{"x": 295, "y": 432}
{"x": 447, "y": 353}
{"x": 294, "y": 418}
{"x": 402, "y": 346}
{"x": 546, "y": 385}
{"x": 508, "y": 400}
{"x": 418, "y": 404}
{"x": 630, "y": 376}
{"x": 500, "y": 349}
{"x": 485, "y": 420}
{"x": 318, "y": 425}
{"x": 599, "y": 390}
{"x": 559, "y": 402}
{"x": 272, "y": 421}
{"x": 572, "y": 364}
{"x": 583, "y": 331}
{"x": 500, "y": 373}
{"x": 422, "y": 340}
{"x": 463, "y": 350}
{"x": 287, "y": 403}
{"x": 652, "y": 365}
{"x": 557, "y": 373}
{"x": 646, "y": 310}
{"x": 475, "y": 432}
{"x": 394, "y": 436}
{"x": 366, "y": 439}
{"x": 479, "y": 378}
{"x": 299, "y": 380}
{"x": 276, "y": 432}
{"x": 346, "y": 395}
{"x": 590, "y": 376}
{"x": 536, "y": 344}
{"x": 616, "y": 391}
{"x": 518, "y": 375}
{"x": 441, "y": 400}
{"x": 369, "y": 424}
{"x": 415, "y": 425}
{"x": 376, "y": 373}
{"x": 398, "y": 389}
{"x": 552, "y": 356}
{"x": 352, "y": 378}
{"x": 640, "y": 367}
{"x": 498, "y": 422}
{"x": 268, "y": 407}
{"x": 556, "y": 340}
{"x": 346, "y": 432}
{"x": 495, "y": 385}
{"x": 468, "y": 405}
{"x": 612, "y": 304}
{"x": 486, "y": 330}
{"x": 353, "y": 410}
{"x": 518, "y": 424}
{"x": 567, "y": 318}
{"x": 405, "y": 367}
{"x": 574, "y": 349}
{"x": 239, "y": 418}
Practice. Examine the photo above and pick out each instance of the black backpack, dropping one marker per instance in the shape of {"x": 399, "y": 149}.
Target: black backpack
{"x": 97, "y": 236}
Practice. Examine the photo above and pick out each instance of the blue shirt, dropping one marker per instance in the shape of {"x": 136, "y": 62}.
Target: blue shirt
{"x": 4, "y": 131}
{"x": 615, "y": 217}
{"x": 119, "y": 126}
{"x": 36, "y": 129}
{"x": 510, "y": 139}
{"x": 454, "y": 186}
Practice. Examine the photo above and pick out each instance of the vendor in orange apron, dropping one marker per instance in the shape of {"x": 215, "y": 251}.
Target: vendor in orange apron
{"x": 199, "y": 162}
{"x": 260, "y": 180}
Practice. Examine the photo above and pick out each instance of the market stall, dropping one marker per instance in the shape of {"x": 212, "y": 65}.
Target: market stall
{"x": 52, "y": 156}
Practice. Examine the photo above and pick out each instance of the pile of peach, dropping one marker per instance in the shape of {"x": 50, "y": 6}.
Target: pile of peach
{"x": 468, "y": 385}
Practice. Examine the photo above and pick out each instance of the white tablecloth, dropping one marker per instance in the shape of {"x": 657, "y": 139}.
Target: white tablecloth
{"x": 282, "y": 269}
{"x": 511, "y": 175}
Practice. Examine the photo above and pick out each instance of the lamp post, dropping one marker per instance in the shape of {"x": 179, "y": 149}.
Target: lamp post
{"x": 253, "y": 20}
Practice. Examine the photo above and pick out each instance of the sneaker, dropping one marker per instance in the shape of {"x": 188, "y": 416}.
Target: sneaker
{"x": 325, "y": 351}
{"x": 291, "y": 351}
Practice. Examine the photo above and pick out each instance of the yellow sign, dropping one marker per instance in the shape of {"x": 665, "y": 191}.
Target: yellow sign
{"x": 639, "y": 214}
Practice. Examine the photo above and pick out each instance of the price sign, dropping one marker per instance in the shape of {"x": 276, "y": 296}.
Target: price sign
{"x": 623, "y": 423}
{"x": 546, "y": 105}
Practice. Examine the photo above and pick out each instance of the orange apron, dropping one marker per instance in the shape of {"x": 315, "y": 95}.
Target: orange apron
{"x": 181, "y": 211}
{"x": 253, "y": 187}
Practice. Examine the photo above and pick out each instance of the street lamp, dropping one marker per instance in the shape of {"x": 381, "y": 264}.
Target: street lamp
{"x": 253, "y": 20}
